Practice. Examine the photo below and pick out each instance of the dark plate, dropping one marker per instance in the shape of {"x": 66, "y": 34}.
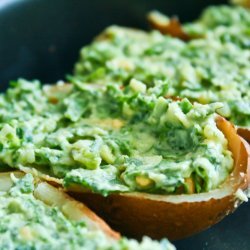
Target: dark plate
{"x": 41, "y": 39}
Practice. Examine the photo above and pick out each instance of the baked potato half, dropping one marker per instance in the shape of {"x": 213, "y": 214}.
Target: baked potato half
{"x": 176, "y": 216}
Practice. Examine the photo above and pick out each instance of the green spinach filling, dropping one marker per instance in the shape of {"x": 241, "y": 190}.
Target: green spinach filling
{"x": 214, "y": 67}
{"x": 28, "y": 223}
{"x": 228, "y": 23}
{"x": 112, "y": 139}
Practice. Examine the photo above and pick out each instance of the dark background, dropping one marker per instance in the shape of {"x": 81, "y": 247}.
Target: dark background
{"x": 40, "y": 39}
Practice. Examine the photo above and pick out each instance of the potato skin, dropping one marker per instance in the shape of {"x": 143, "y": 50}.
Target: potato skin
{"x": 245, "y": 133}
{"x": 138, "y": 214}
{"x": 172, "y": 28}
{"x": 135, "y": 217}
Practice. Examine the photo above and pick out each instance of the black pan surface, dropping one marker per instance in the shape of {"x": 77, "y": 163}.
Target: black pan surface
{"x": 40, "y": 39}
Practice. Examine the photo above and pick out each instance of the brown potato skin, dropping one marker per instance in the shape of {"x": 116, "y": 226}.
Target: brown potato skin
{"x": 136, "y": 216}
{"x": 173, "y": 29}
{"x": 245, "y": 133}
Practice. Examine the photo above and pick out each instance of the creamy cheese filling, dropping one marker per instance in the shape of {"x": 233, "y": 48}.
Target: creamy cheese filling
{"x": 28, "y": 223}
{"x": 213, "y": 68}
{"x": 114, "y": 139}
